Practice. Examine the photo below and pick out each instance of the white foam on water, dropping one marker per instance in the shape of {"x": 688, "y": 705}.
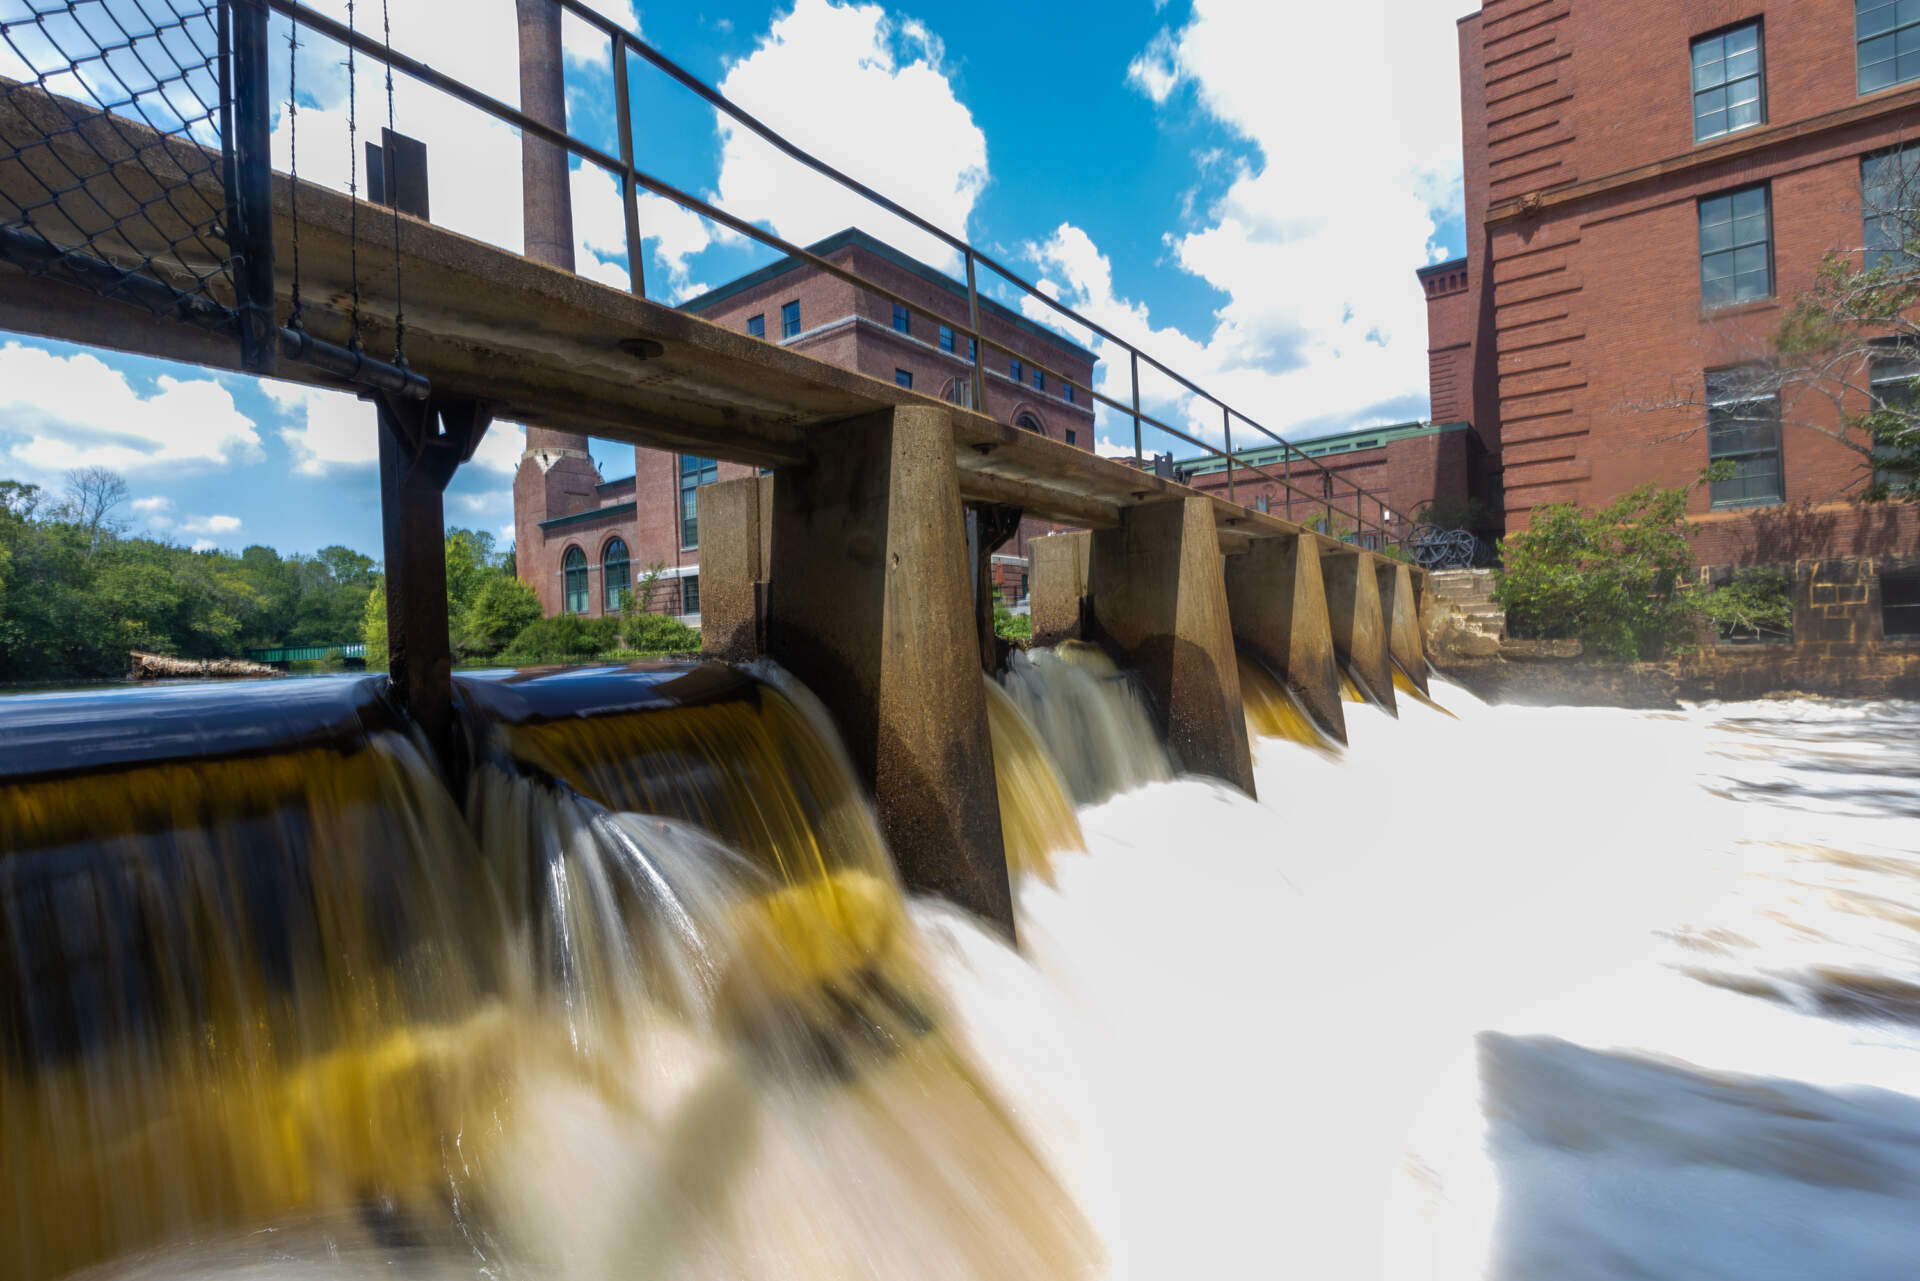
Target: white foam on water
{"x": 1436, "y": 1008}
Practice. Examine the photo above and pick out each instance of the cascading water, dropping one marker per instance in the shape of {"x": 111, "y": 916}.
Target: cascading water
{"x": 1530, "y": 992}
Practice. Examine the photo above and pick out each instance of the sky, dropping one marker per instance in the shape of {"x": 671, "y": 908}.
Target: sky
{"x": 1242, "y": 188}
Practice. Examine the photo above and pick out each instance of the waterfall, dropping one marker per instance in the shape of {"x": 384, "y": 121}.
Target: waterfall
{"x": 1091, "y": 717}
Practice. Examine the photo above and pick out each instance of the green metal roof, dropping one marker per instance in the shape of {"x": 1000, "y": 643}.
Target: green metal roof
{"x": 592, "y": 513}
{"x": 1343, "y": 443}
{"x": 859, "y": 239}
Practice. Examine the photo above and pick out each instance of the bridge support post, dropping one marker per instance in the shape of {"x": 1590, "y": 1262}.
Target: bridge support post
{"x": 1400, "y": 609}
{"x": 1353, "y": 611}
{"x": 1160, "y": 600}
{"x": 1278, "y": 607}
{"x": 421, "y": 443}
{"x": 871, "y": 608}
{"x": 1058, "y": 591}
{"x": 735, "y": 516}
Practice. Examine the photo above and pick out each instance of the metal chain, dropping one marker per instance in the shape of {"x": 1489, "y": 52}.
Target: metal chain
{"x": 294, "y": 320}
{"x": 354, "y": 343}
{"x": 393, "y": 200}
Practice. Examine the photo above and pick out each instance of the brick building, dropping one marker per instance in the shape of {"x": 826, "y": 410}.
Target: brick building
{"x": 1649, "y": 183}
{"x": 1405, "y": 467}
{"x": 582, "y": 542}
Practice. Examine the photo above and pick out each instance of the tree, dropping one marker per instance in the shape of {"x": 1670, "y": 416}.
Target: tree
{"x": 91, "y": 497}
{"x": 1610, "y": 578}
{"x": 499, "y": 611}
{"x": 373, "y": 624}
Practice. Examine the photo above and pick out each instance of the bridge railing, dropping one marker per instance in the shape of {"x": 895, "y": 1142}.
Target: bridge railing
{"x": 1330, "y": 493}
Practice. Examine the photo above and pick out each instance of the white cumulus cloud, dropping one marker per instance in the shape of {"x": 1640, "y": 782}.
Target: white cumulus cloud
{"x": 204, "y": 545}
{"x": 211, "y": 525}
{"x": 868, "y": 94}
{"x": 59, "y": 412}
{"x": 1315, "y": 241}
{"x": 326, "y": 429}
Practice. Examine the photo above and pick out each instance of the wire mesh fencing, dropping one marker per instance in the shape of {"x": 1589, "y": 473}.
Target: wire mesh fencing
{"x": 117, "y": 158}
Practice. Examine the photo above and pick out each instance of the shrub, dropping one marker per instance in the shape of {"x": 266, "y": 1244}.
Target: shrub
{"x": 563, "y": 639}
{"x": 1610, "y": 578}
{"x": 659, "y": 634}
{"x": 1756, "y": 603}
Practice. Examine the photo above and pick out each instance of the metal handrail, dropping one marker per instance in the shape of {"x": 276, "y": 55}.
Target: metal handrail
{"x": 632, "y": 179}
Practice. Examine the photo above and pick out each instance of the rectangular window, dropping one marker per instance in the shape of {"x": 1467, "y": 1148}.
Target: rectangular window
{"x": 1736, "y": 247}
{"x": 1887, "y": 36}
{"x": 1727, "y": 87}
{"x": 1066, "y": 389}
{"x": 1013, "y": 367}
{"x": 757, "y": 326}
{"x": 690, "y": 594}
{"x": 904, "y": 378}
{"x": 1072, "y": 436}
{"x": 902, "y": 319}
{"x": 1890, "y": 205}
{"x": 694, "y": 472}
{"x": 973, "y": 350}
{"x": 1039, "y": 381}
{"x": 1900, "y": 603}
{"x": 1743, "y": 429}
{"x": 789, "y": 318}
{"x": 946, "y": 338}
{"x": 1894, "y": 381}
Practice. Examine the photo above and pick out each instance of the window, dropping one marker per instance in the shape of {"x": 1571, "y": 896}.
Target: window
{"x": 1072, "y": 436}
{"x": 1743, "y": 428}
{"x": 1736, "y": 249}
{"x": 616, "y": 575}
{"x": 1727, "y": 93}
{"x": 904, "y": 378}
{"x": 1027, "y": 422}
{"x": 1013, "y": 367}
{"x": 1887, "y": 33}
{"x": 946, "y": 338}
{"x": 1039, "y": 381}
{"x": 757, "y": 326}
{"x": 789, "y": 318}
{"x": 1890, "y": 205}
{"x": 694, "y": 472}
{"x": 1264, "y": 503}
{"x": 973, "y": 350}
{"x": 1894, "y": 380}
{"x": 574, "y": 577}
{"x": 902, "y": 319}
{"x": 1066, "y": 389}
{"x": 690, "y": 594}
{"x": 1326, "y": 484}
{"x": 1900, "y": 603}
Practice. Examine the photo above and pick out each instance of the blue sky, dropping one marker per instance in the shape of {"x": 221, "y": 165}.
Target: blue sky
{"x": 1244, "y": 187}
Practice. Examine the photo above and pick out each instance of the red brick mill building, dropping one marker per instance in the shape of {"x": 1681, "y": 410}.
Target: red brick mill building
{"x": 582, "y": 542}
{"x": 1648, "y": 184}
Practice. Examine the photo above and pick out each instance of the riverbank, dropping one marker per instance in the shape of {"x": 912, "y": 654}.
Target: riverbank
{"x": 1539, "y": 675}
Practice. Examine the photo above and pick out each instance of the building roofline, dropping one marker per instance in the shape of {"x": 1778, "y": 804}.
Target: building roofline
{"x": 1386, "y": 432}
{"x": 580, "y": 518}
{"x": 853, "y": 237}
{"x": 1451, "y": 264}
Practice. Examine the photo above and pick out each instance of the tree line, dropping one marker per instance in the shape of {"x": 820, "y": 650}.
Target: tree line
{"x": 78, "y": 591}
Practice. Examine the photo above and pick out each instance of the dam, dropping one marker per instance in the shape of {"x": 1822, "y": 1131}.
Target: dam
{"x": 1183, "y": 941}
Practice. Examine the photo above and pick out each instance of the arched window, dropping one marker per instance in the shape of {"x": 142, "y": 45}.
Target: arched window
{"x": 1029, "y": 423}
{"x": 575, "y": 569}
{"x": 617, "y": 575}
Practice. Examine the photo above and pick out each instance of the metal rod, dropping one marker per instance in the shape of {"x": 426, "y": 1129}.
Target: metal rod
{"x": 979, "y": 371}
{"x": 629, "y": 192}
{"x": 529, "y": 126}
{"x": 351, "y": 366}
{"x": 250, "y": 233}
{"x": 1137, "y": 458}
{"x": 1226, "y": 422}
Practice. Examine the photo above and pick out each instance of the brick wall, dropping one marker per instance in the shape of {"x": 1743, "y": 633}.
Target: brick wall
{"x": 1589, "y": 339}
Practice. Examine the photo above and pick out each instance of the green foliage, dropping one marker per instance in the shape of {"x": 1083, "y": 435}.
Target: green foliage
{"x": 501, "y": 608}
{"x": 373, "y": 624}
{"x": 1756, "y": 601}
{"x": 1610, "y": 578}
{"x": 571, "y": 638}
{"x": 1008, "y": 625}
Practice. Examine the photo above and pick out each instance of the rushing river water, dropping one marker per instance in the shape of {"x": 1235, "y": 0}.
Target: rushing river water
{"x": 1491, "y": 991}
